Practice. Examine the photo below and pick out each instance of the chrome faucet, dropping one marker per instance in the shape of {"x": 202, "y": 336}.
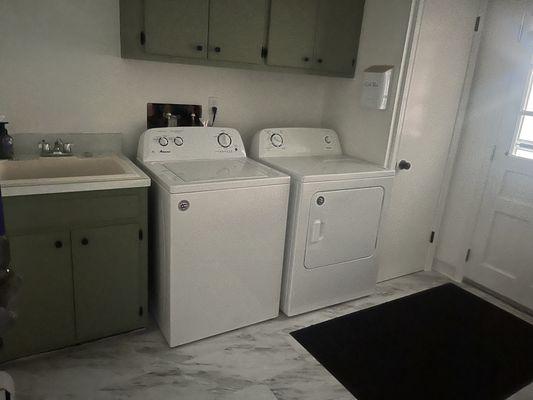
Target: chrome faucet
{"x": 60, "y": 149}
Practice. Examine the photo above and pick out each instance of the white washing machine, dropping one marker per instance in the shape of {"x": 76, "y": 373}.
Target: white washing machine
{"x": 219, "y": 223}
{"x": 336, "y": 211}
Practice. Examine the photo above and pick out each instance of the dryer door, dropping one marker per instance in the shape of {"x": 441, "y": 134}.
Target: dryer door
{"x": 343, "y": 226}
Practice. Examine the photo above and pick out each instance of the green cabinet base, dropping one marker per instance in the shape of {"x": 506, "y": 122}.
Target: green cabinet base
{"x": 82, "y": 258}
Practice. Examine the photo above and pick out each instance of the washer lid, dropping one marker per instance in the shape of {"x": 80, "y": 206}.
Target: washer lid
{"x": 324, "y": 168}
{"x": 212, "y": 171}
{"x": 203, "y": 175}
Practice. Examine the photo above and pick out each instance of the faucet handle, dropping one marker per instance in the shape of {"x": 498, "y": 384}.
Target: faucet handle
{"x": 44, "y": 146}
{"x": 67, "y": 148}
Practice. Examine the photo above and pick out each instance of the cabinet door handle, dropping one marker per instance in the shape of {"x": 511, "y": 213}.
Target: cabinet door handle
{"x": 305, "y": 59}
{"x": 218, "y": 49}
{"x": 58, "y": 244}
{"x": 84, "y": 241}
{"x": 199, "y": 47}
{"x": 319, "y": 61}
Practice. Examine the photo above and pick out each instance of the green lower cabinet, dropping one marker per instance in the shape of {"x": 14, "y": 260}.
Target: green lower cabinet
{"x": 84, "y": 269}
{"x": 44, "y": 304}
{"x": 107, "y": 280}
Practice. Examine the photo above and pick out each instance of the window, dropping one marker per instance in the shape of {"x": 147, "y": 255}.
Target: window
{"x": 523, "y": 144}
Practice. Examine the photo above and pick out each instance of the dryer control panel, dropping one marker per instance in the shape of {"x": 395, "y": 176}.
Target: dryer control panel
{"x": 294, "y": 142}
{"x": 190, "y": 143}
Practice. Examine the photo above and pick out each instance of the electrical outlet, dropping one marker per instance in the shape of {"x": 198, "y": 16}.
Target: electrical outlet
{"x": 213, "y": 102}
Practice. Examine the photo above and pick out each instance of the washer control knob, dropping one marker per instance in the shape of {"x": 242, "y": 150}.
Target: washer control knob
{"x": 178, "y": 141}
{"x": 184, "y": 205}
{"x": 277, "y": 140}
{"x": 224, "y": 140}
{"x": 327, "y": 139}
{"x": 163, "y": 141}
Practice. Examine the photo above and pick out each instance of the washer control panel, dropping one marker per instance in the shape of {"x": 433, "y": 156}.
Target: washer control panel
{"x": 190, "y": 143}
{"x": 293, "y": 142}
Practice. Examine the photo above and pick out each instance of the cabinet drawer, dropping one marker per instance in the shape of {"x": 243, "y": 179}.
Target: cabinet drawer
{"x": 29, "y": 213}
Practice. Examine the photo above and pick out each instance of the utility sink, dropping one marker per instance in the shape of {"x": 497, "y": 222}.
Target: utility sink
{"x": 42, "y": 175}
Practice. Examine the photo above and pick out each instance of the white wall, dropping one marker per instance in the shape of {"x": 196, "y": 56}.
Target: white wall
{"x": 61, "y": 72}
{"x": 482, "y": 125}
{"x": 365, "y": 133}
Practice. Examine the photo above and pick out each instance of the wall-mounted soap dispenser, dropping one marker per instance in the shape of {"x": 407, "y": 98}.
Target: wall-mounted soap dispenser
{"x": 6, "y": 141}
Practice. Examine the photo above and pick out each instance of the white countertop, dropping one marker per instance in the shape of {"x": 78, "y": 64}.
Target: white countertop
{"x": 31, "y": 175}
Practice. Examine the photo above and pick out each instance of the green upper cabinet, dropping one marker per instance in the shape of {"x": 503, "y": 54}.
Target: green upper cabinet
{"x": 237, "y": 30}
{"x": 338, "y": 31}
{"x": 108, "y": 278}
{"x": 315, "y": 34}
{"x": 292, "y": 32}
{"x": 176, "y": 28}
{"x": 306, "y": 36}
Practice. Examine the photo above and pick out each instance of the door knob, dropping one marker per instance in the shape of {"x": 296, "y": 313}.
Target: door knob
{"x": 406, "y": 165}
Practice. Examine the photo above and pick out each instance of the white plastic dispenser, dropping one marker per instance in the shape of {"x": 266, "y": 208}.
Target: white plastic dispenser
{"x": 376, "y": 84}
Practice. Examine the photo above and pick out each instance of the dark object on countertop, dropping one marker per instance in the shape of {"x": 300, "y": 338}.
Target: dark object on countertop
{"x": 440, "y": 344}
{"x": 6, "y": 142}
{"x": 161, "y": 115}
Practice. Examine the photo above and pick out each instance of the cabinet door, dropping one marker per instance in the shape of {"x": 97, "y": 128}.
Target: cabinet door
{"x": 292, "y": 33}
{"x": 237, "y": 30}
{"x": 176, "y": 27}
{"x": 44, "y": 305}
{"x": 107, "y": 280}
{"x": 339, "y": 28}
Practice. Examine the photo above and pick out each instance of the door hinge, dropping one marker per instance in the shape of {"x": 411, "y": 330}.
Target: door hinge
{"x": 141, "y": 234}
{"x": 264, "y": 52}
{"x": 478, "y": 21}
{"x": 141, "y": 311}
{"x": 142, "y": 38}
{"x": 432, "y": 237}
{"x": 468, "y": 253}
{"x": 493, "y": 153}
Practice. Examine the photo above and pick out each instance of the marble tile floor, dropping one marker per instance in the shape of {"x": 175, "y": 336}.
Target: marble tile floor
{"x": 260, "y": 362}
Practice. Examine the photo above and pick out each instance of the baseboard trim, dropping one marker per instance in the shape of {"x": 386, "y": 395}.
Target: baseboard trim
{"x": 500, "y": 297}
{"x": 447, "y": 270}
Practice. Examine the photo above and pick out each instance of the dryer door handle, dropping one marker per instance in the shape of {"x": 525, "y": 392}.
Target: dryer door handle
{"x": 316, "y": 231}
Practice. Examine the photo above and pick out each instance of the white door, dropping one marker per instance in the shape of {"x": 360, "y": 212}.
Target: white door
{"x": 501, "y": 256}
{"x": 432, "y": 99}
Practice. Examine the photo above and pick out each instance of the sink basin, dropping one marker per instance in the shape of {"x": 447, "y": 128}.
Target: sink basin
{"x": 60, "y": 168}
{"x": 67, "y": 174}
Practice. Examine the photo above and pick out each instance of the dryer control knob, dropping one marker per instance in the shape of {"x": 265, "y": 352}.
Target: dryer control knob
{"x": 178, "y": 141}
{"x": 163, "y": 141}
{"x": 224, "y": 140}
{"x": 277, "y": 140}
{"x": 327, "y": 139}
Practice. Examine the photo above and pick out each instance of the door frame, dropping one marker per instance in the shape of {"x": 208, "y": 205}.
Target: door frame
{"x": 404, "y": 83}
{"x": 457, "y": 135}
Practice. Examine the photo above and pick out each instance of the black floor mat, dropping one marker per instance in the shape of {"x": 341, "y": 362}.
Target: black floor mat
{"x": 442, "y": 343}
